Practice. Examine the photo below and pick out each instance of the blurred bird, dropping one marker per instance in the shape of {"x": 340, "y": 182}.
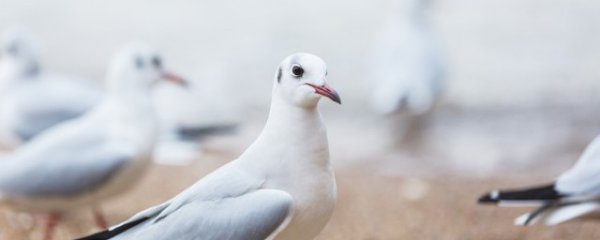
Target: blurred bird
{"x": 31, "y": 100}
{"x": 179, "y": 145}
{"x": 281, "y": 187}
{"x": 86, "y": 160}
{"x": 575, "y": 193}
{"x": 407, "y": 64}
{"x": 184, "y": 126}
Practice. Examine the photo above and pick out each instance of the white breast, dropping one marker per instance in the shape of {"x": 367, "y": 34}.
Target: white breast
{"x": 314, "y": 202}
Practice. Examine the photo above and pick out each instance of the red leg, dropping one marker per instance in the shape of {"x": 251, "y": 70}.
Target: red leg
{"x": 51, "y": 220}
{"x": 99, "y": 218}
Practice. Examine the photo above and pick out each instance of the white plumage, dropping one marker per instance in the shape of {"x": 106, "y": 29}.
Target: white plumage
{"x": 575, "y": 193}
{"x": 281, "y": 187}
{"x": 406, "y": 68}
{"x": 32, "y": 100}
{"x": 84, "y": 161}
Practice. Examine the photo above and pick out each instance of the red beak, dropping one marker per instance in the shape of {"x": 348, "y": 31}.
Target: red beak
{"x": 174, "y": 79}
{"x": 326, "y": 91}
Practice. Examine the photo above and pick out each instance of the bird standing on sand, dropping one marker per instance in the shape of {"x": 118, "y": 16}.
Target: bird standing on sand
{"x": 82, "y": 162}
{"x": 32, "y": 100}
{"x": 407, "y": 64}
{"x": 407, "y": 71}
{"x": 281, "y": 187}
{"x": 575, "y": 193}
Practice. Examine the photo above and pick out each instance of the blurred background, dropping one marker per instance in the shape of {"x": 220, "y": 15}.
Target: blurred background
{"x": 520, "y": 102}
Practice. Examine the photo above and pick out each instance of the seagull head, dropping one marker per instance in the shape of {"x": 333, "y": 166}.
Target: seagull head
{"x": 19, "y": 50}
{"x": 139, "y": 67}
{"x": 302, "y": 80}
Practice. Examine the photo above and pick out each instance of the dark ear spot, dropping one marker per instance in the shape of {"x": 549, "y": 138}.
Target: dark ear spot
{"x": 279, "y": 74}
{"x": 139, "y": 62}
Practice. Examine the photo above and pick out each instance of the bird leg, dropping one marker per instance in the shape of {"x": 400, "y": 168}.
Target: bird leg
{"x": 99, "y": 218}
{"x": 50, "y": 223}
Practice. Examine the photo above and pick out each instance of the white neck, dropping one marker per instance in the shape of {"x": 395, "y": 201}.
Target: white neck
{"x": 132, "y": 118}
{"x": 412, "y": 12}
{"x": 11, "y": 72}
{"x": 294, "y": 135}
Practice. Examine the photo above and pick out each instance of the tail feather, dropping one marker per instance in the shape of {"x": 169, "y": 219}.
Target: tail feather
{"x": 540, "y": 212}
{"x": 530, "y": 196}
{"x": 525, "y": 220}
{"x": 556, "y": 214}
{"x": 536, "y": 215}
{"x": 570, "y": 212}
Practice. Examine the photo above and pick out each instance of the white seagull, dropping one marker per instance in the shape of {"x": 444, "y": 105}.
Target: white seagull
{"x": 84, "y": 161}
{"x": 575, "y": 193}
{"x": 282, "y": 186}
{"x": 31, "y": 100}
{"x": 406, "y": 63}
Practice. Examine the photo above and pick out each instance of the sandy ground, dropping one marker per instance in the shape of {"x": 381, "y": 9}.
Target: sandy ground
{"x": 370, "y": 206}
{"x": 387, "y": 192}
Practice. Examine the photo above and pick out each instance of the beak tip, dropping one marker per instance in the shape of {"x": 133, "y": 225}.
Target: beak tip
{"x": 336, "y": 97}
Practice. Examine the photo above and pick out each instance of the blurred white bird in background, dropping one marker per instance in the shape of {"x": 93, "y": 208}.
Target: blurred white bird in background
{"x": 86, "y": 160}
{"x": 32, "y": 100}
{"x": 406, "y": 68}
{"x": 183, "y": 125}
{"x": 282, "y": 186}
{"x": 407, "y": 64}
{"x": 575, "y": 193}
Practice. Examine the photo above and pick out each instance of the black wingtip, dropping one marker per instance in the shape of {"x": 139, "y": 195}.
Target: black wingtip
{"x": 197, "y": 133}
{"x": 97, "y": 236}
{"x": 489, "y": 198}
{"x": 540, "y": 193}
{"x": 108, "y": 234}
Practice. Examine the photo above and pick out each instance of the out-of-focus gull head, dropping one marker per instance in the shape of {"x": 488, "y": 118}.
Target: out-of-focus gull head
{"x": 18, "y": 49}
{"x": 139, "y": 66}
{"x": 301, "y": 79}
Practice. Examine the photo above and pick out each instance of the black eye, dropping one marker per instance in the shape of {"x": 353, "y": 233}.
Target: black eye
{"x": 139, "y": 62}
{"x": 297, "y": 71}
{"x": 157, "y": 62}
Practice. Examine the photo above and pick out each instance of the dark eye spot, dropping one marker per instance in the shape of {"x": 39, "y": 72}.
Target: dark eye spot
{"x": 157, "y": 62}
{"x": 279, "y": 74}
{"x": 139, "y": 62}
{"x": 297, "y": 71}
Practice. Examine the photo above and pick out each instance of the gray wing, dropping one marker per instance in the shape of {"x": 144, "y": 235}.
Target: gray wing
{"x": 34, "y": 122}
{"x": 43, "y": 104}
{"x": 254, "y": 215}
{"x": 66, "y": 161}
{"x": 584, "y": 177}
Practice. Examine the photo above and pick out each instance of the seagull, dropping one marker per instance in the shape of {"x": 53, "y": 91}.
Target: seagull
{"x": 31, "y": 100}
{"x": 82, "y": 162}
{"x": 406, "y": 62}
{"x": 575, "y": 193}
{"x": 282, "y": 186}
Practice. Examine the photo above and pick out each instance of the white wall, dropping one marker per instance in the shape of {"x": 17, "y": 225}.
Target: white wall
{"x": 501, "y": 53}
